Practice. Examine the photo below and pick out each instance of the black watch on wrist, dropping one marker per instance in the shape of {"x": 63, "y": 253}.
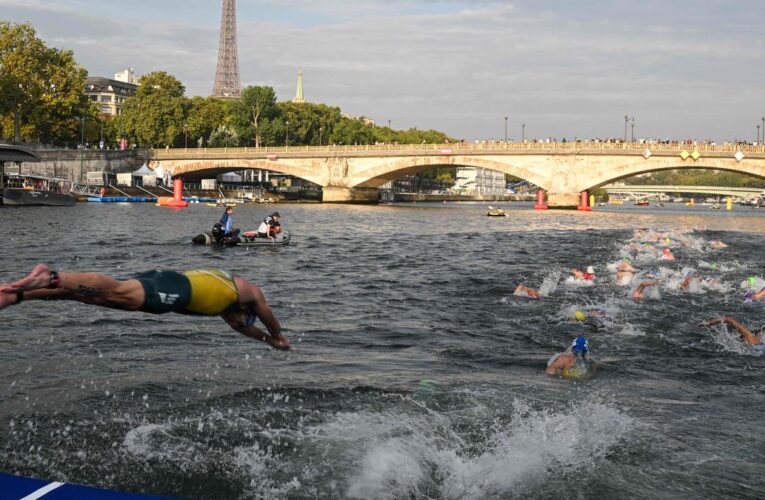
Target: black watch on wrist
{"x": 54, "y": 280}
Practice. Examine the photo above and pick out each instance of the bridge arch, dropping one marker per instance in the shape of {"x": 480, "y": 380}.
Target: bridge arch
{"x": 752, "y": 168}
{"x": 376, "y": 176}
{"x": 210, "y": 168}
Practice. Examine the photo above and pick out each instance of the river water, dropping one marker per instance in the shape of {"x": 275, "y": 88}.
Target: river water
{"x": 415, "y": 372}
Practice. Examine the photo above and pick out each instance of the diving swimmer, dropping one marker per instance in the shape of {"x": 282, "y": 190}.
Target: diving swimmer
{"x": 205, "y": 292}
{"x": 756, "y": 341}
{"x": 574, "y": 362}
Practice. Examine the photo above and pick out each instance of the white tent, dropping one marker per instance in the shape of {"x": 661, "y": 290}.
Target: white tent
{"x": 144, "y": 170}
{"x": 160, "y": 172}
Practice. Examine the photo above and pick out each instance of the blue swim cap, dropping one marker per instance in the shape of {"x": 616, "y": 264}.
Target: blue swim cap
{"x": 580, "y": 345}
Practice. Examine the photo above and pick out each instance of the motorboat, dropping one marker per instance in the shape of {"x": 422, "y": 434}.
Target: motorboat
{"x": 37, "y": 190}
{"x": 248, "y": 239}
{"x": 496, "y": 212}
{"x": 642, "y": 203}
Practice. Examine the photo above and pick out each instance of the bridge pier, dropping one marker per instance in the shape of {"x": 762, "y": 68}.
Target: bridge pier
{"x": 563, "y": 200}
{"x": 349, "y": 195}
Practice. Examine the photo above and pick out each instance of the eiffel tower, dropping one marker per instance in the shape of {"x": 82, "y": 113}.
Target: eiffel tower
{"x": 227, "y": 82}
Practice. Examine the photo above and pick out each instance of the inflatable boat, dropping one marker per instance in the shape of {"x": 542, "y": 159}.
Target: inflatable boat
{"x": 249, "y": 239}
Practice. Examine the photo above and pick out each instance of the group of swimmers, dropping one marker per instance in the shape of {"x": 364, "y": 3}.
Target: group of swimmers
{"x": 646, "y": 246}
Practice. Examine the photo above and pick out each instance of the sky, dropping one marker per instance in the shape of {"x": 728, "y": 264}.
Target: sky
{"x": 564, "y": 68}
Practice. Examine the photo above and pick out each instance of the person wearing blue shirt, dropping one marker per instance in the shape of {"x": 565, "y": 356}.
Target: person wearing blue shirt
{"x": 227, "y": 222}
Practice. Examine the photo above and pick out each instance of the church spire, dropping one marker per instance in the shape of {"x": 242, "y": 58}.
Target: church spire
{"x": 299, "y": 92}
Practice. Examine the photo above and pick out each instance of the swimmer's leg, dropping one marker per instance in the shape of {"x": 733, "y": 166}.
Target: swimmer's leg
{"x": 89, "y": 288}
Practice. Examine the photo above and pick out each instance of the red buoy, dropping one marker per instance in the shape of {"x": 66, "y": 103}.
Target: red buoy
{"x": 584, "y": 202}
{"x": 177, "y": 200}
{"x": 541, "y": 205}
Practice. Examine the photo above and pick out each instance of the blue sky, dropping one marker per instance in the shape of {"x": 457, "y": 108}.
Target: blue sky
{"x": 683, "y": 68}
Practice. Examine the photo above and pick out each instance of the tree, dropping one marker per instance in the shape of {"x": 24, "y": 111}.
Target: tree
{"x": 155, "y": 116}
{"x": 350, "y": 131}
{"x": 42, "y": 88}
{"x": 223, "y": 137}
{"x": 204, "y": 115}
{"x": 253, "y": 112}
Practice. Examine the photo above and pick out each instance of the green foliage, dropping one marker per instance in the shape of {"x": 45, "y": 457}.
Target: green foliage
{"x": 253, "y": 114}
{"x": 157, "y": 114}
{"x": 697, "y": 177}
{"x": 224, "y": 137}
{"x": 42, "y": 88}
{"x": 203, "y": 116}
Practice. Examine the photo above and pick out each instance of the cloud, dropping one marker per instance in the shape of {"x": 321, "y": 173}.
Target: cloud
{"x": 683, "y": 68}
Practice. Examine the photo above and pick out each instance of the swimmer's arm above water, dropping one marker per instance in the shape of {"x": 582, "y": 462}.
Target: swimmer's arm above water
{"x": 638, "y": 293}
{"x": 746, "y": 334}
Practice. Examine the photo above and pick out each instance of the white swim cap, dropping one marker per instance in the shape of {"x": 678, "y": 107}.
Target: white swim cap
{"x": 590, "y": 270}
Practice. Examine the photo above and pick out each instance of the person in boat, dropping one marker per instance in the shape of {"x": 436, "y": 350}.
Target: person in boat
{"x": 757, "y": 341}
{"x": 524, "y": 291}
{"x": 270, "y": 226}
{"x": 205, "y": 292}
{"x": 227, "y": 223}
{"x": 574, "y": 362}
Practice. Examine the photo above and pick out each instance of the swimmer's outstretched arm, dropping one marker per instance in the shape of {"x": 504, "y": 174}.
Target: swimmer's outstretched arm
{"x": 251, "y": 298}
{"x": 746, "y": 334}
{"x": 638, "y": 293}
{"x": 759, "y": 295}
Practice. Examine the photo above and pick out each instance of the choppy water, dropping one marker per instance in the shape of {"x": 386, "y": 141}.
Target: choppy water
{"x": 415, "y": 373}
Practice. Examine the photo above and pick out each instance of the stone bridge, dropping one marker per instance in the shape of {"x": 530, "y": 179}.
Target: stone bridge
{"x": 562, "y": 170}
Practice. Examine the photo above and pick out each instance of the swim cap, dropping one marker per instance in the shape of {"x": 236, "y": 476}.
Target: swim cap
{"x": 275, "y": 214}
{"x": 580, "y": 345}
{"x": 666, "y": 251}
{"x": 749, "y": 297}
{"x": 751, "y": 280}
{"x": 714, "y": 265}
{"x": 590, "y": 270}
{"x": 667, "y": 240}
{"x": 579, "y": 316}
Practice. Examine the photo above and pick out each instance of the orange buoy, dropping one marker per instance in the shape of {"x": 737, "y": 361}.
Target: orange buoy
{"x": 541, "y": 205}
{"x": 177, "y": 200}
{"x": 584, "y": 202}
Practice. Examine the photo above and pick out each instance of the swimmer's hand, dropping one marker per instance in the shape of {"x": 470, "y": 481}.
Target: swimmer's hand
{"x": 280, "y": 342}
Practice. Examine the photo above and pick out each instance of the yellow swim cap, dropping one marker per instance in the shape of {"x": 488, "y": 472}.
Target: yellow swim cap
{"x": 579, "y": 316}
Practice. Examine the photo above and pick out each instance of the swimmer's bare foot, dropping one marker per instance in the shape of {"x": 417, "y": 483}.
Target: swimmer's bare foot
{"x": 38, "y": 278}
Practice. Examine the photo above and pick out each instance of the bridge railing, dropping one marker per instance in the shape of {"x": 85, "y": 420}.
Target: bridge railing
{"x": 466, "y": 147}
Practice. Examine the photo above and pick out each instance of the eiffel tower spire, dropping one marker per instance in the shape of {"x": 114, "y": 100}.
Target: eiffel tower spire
{"x": 299, "y": 92}
{"x": 227, "y": 81}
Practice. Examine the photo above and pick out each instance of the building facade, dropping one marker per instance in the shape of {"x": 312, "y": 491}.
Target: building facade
{"x": 480, "y": 181}
{"x": 108, "y": 94}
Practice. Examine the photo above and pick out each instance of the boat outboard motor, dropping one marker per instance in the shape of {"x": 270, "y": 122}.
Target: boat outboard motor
{"x": 218, "y": 234}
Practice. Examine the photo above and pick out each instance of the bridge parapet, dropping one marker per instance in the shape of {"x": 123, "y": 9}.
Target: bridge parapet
{"x": 556, "y": 148}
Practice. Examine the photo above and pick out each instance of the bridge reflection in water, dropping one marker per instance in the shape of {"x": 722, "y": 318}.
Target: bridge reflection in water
{"x": 563, "y": 170}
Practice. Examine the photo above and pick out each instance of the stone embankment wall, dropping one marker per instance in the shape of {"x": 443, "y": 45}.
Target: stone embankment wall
{"x": 74, "y": 164}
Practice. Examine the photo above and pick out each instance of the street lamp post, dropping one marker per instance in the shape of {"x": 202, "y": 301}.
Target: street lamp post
{"x": 82, "y": 132}
{"x": 185, "y": 137}
{"x": 388, "y": 123}
{"x": 506, "y": 128}
{"x": 632, "y": 135}
{"x": 758, "y": 133}
{"x": 287, "y": 141}
{"x": 320, "y": 131}
{"x": 523, "y": 132}
{"x": 626, "y": 121}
